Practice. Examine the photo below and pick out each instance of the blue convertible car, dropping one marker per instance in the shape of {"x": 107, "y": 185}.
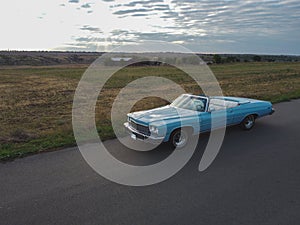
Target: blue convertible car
{"x": 193, "y": 114}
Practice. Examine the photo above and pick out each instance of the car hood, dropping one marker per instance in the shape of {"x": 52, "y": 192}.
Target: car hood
{"x": 163, "y": 113}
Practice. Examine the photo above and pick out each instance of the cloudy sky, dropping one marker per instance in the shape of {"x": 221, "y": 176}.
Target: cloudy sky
{"x": 225, "y": 26}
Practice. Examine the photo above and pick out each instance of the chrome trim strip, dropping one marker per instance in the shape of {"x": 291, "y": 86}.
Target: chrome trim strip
{"x": 132, "y": 119}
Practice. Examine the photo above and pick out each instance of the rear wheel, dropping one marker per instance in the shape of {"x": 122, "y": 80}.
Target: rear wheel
{"x": 179, "y": 138}
{"x": 248, "y": 122}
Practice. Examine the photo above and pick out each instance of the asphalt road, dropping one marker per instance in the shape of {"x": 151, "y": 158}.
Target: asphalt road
{"x": 254, "y": 180}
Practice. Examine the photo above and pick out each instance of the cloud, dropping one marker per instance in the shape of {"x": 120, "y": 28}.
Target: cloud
{"x": 140, "y": 14}
{"x": 218, "y": 16}
{"x": 129, "y": 11}
{"x": 133, "y": 7}
{"x": 91, "y": 29}
{"x": 142, "y": 3}
{"x": 86, "y": 5}
{"x": 220, "y": 25}
{"x": 73, "y": 1}
{"x": 213, "y": 43}
{"x": 87, "y": 40}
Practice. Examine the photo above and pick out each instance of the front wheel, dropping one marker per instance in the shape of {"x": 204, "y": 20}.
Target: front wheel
{"x": 179, "y": 138}
{"x": 248, "y": 122}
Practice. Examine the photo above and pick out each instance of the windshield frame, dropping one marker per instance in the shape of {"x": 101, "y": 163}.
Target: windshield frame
{"x": 204, "y": 99}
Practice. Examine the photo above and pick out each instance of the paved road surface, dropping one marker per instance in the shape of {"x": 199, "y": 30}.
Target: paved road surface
{"x": 255, "y": 179}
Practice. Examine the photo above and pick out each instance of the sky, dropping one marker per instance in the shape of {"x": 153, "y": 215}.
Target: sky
{"x": 204, "y": 26}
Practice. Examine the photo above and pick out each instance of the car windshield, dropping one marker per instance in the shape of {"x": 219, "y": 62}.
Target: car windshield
{"x": 190, "y": 102}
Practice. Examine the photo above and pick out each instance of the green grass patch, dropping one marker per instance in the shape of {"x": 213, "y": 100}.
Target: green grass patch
{"x": 10, "y": 151}
{"x": 36, "y": 102}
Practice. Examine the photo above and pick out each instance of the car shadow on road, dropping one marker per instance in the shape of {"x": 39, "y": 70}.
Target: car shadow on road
{"x": 234, "y": 143}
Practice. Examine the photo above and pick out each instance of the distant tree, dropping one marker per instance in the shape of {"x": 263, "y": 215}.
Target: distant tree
{"x": 256, "y": 58}
{"x": 231, "y": 59}
{"x": 217, "y": 59}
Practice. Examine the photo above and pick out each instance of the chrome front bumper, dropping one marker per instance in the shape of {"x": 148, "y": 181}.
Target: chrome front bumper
{"x": 136, "y": 135}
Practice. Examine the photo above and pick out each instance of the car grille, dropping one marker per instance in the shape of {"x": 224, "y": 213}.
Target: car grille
{"x": 140, "y": 128}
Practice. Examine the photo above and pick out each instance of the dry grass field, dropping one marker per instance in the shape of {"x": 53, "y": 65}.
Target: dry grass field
{"x": 36, "y": 102}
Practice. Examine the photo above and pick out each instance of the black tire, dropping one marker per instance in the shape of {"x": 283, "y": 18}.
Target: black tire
{"x": 248, "y": 122}
{"x": 179, "y": 138}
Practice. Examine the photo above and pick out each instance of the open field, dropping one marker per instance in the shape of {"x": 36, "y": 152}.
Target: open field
{"x": 36, "y": 102}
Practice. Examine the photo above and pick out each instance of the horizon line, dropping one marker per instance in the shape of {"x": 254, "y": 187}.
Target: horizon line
{"x": 201, "y": 53}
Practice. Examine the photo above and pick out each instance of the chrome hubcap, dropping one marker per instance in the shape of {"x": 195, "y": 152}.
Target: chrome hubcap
{"x": 180, "y": 139}
{"x": 249, "y": 122}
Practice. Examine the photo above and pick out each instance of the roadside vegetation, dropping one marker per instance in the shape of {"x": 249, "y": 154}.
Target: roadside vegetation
{"x": 36, "y": 102}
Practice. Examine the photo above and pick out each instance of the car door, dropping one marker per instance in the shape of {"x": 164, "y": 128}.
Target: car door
{"x": 216, "y": 119}
{"x": 205, "y": 121}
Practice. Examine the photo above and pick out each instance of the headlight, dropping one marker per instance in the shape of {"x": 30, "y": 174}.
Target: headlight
{"x": 128, "y": 119}
{"x": 153, "y": 129}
